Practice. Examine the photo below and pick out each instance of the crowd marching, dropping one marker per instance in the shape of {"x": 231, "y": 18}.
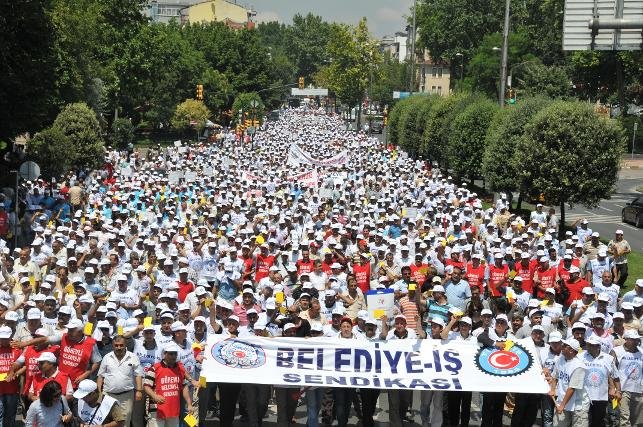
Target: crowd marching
{"x": 125, "y": 271}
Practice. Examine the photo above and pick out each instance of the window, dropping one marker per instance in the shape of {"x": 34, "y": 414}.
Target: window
{"x": 439, "y": 90}
{"x": 433, "y": 89}
{"x": 434, "y": 72}
{"x": 440, "y": 72}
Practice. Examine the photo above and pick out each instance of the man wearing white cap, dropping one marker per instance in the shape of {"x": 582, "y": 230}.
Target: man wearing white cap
{"x": 167, "y": 384}
{"x": 568, "y": 387}
{"x": 548, "y": 357}
{"x": 629, "y": 361}
{"x": 79, "y": 355}
{"x": 46, "y": 371}
{"x": 97, "y": 409}
{"x": 601, "y": 381}
{"x": 619, "y": 248}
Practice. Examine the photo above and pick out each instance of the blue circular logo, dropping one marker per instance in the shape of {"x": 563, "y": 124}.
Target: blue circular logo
{"x": 234, "y": 353}
{"x": 504, "y": 363}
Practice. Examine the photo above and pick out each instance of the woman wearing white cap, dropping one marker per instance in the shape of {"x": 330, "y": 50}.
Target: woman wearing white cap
{"x": 629, "y": 361}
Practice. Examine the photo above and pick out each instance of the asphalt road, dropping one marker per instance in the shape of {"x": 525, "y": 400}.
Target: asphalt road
{"x": 606, "y": 218}
{"x": 381, "y": 414}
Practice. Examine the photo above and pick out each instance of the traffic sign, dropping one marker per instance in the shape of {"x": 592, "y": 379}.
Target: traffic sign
{"x": 29, "y": 170}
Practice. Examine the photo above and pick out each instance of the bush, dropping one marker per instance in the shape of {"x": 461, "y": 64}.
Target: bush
{"x": 78, "y": 122}
{"x": 53, "y": 151}
{"x": 466, "y": 141}
{"x": 122, "y": 133}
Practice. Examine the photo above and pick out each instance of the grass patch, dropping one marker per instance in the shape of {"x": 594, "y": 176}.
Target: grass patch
{"x": 634, "y": 269}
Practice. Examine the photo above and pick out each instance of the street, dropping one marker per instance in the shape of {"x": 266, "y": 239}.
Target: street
{"x": 606, "y": 218}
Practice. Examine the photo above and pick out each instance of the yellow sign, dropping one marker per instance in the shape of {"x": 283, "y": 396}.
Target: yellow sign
{"x": 88, "y": 329}
{"x": 508, "y": 345}
{"x": 412, "y": 286}
{"x": 3, "y": 376}
{"x": 279, "y": 297}
{"x": 119, "y": 330}
{"x": 190, "y": 420}
{"x": 378, "y": 313}
{"x": 208, "y": 302}
{"x": 147, "y": 322}
{"x": 203, "y": 383}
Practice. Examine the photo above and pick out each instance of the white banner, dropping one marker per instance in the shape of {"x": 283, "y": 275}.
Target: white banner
{"x": 306, "y": 179}
{"x": 396, "y": 364}
{"x": 297, "y": 156}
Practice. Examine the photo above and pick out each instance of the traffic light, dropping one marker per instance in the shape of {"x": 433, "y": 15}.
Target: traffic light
{"x": 301, "y": 83}
{"x": 199, "y": 92}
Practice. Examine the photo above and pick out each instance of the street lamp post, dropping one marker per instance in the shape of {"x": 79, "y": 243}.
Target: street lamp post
{"x": 412, "y": 83}
{"x": 461, "y": 68}
{"x": 505, "y": 47}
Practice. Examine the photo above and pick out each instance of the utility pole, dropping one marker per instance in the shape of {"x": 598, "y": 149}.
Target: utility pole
{"x": 505, "y": 48}
{"x": 412, "y": 83}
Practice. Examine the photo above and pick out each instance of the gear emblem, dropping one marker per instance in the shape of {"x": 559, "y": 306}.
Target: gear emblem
{"x": 504, "y": 363}
{"x": 238, "y": 354}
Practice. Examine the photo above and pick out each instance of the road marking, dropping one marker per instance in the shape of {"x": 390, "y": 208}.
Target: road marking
{"x": 620, "y": 206}
{"x": 611, "y": 210}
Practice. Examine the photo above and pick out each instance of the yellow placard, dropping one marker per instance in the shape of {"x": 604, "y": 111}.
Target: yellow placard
{"x": 69, "y": 288}
{"x": 283, "y": 310}
{"x": 544, "y": 302}
{"x": 196, "y": 345}
{"x": 119, "y": 330}
{"x": 458, "y": 313}
{"x": 378, "y": 313}
{"x": 3, "y": 376}
{"x": 190, "y": 420}
{"x": 412, "y": 286}
{"x": 508, "y": 345}
{"x": 32, "y": 282}
{"x": 147, "y": 322}
{"x": 203, "y": 383}
{"x": 208, "y": 302}
{"x": 279, "y": 297}
{"x": 614, "y": 403}
{"x": 88, "y": 329}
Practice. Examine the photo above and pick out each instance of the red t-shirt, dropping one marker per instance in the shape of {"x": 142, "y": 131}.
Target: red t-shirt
{"x": 304, "y": 267}
{"x": 8, "y": 356}
{"x": 475, "y": 276}
{"x": 363, "y": 276}
{"x": 30, "y": 355}
{"x": 39, "y": 382}
{"x": 575, "y": 290}
{"x": 527, "y": 274}
{"x": 496, "y": 275}
{"x": 263, "y": 266}
{"x": 169, "y": 383}
{"x": 75, "y": 358}
{"x": 184, "y": 289}
{"x": 418, "y": 273}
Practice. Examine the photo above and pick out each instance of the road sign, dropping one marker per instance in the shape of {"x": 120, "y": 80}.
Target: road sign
{"x": 401, "y": 95}
{"x": 603, "y": 25}
{"x": 29, "y": 170}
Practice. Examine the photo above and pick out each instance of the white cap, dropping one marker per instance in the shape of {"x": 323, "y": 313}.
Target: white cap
{"x": 555, "y": 336}
{"x": 74, "y": 323}
{"x": 47, "y": 356}
{"x": 34, "y": 314}
{"x": 178, "y": 326}
{"x": 438, "y": 288}
{"x": 573, "y": 343}
{"x": 631, "y": 334}
{"x": 5, "y": 332}
{"x": 85, "y": 387}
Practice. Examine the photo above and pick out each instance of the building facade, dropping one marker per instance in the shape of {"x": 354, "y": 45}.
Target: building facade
{"x": 433, "y": 75}
{"x": 396, "y": 46}
{"x": 190, "y": 11}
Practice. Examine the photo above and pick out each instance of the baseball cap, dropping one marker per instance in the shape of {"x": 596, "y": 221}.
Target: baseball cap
{"x": 502, "y": 316}
{"x": 46, "y": 357}
{"x": 85, "y": 387}
{"x": 573, "y": 343}
{"x": 628, "y": 334}
{"x": 178, "y": 326}
{"x": 34, "y": 314}
{"x": 74, "y": 323}
{"x": 438, "y": 288}
{"x": 5, "y": 332}
{"x": 593, "y": 339}
{"x": 555, "y": 336}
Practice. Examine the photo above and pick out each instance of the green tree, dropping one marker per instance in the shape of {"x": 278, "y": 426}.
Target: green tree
{"x": 393, "y": 126}
{"x": 190, "y": 111}
{"x": 409, "y": 139}
{"x": 217, "y": 90}
{"x": 572, "y": 155}
{"x": 447, "y": 27}
{"x": 501, "y": 159}
{"x": 53, "y": 151}
{"x": 307, "y": 39}
{"x": 27, "y": 67}
{"x": 392, "y": 76}
{"x": 244, "y": 102}
{"x": 534, "y": 79}
{"x": 467, "y": 138}
{"x": 78, "y": 123}
{"x": 437, "y": 128}
{"x": 122, "y": 132}
{"x": 483, "y": 71}
{"x": 353, "y": 54}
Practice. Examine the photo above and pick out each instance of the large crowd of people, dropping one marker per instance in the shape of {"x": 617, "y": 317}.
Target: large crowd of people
{"x": 123, "y": 272}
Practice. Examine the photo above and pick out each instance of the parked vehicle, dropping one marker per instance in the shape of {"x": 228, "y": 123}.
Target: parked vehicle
{"x": 633, "y": 212}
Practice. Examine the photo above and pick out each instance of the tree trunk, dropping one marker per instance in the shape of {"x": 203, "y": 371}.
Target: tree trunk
{"x": 561, "y": 223}
{"x": 510, "y": 200}
{"x": 519, "y": 202}
{"x": 620, "y": 84}
{"x": 359, "y": 117}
